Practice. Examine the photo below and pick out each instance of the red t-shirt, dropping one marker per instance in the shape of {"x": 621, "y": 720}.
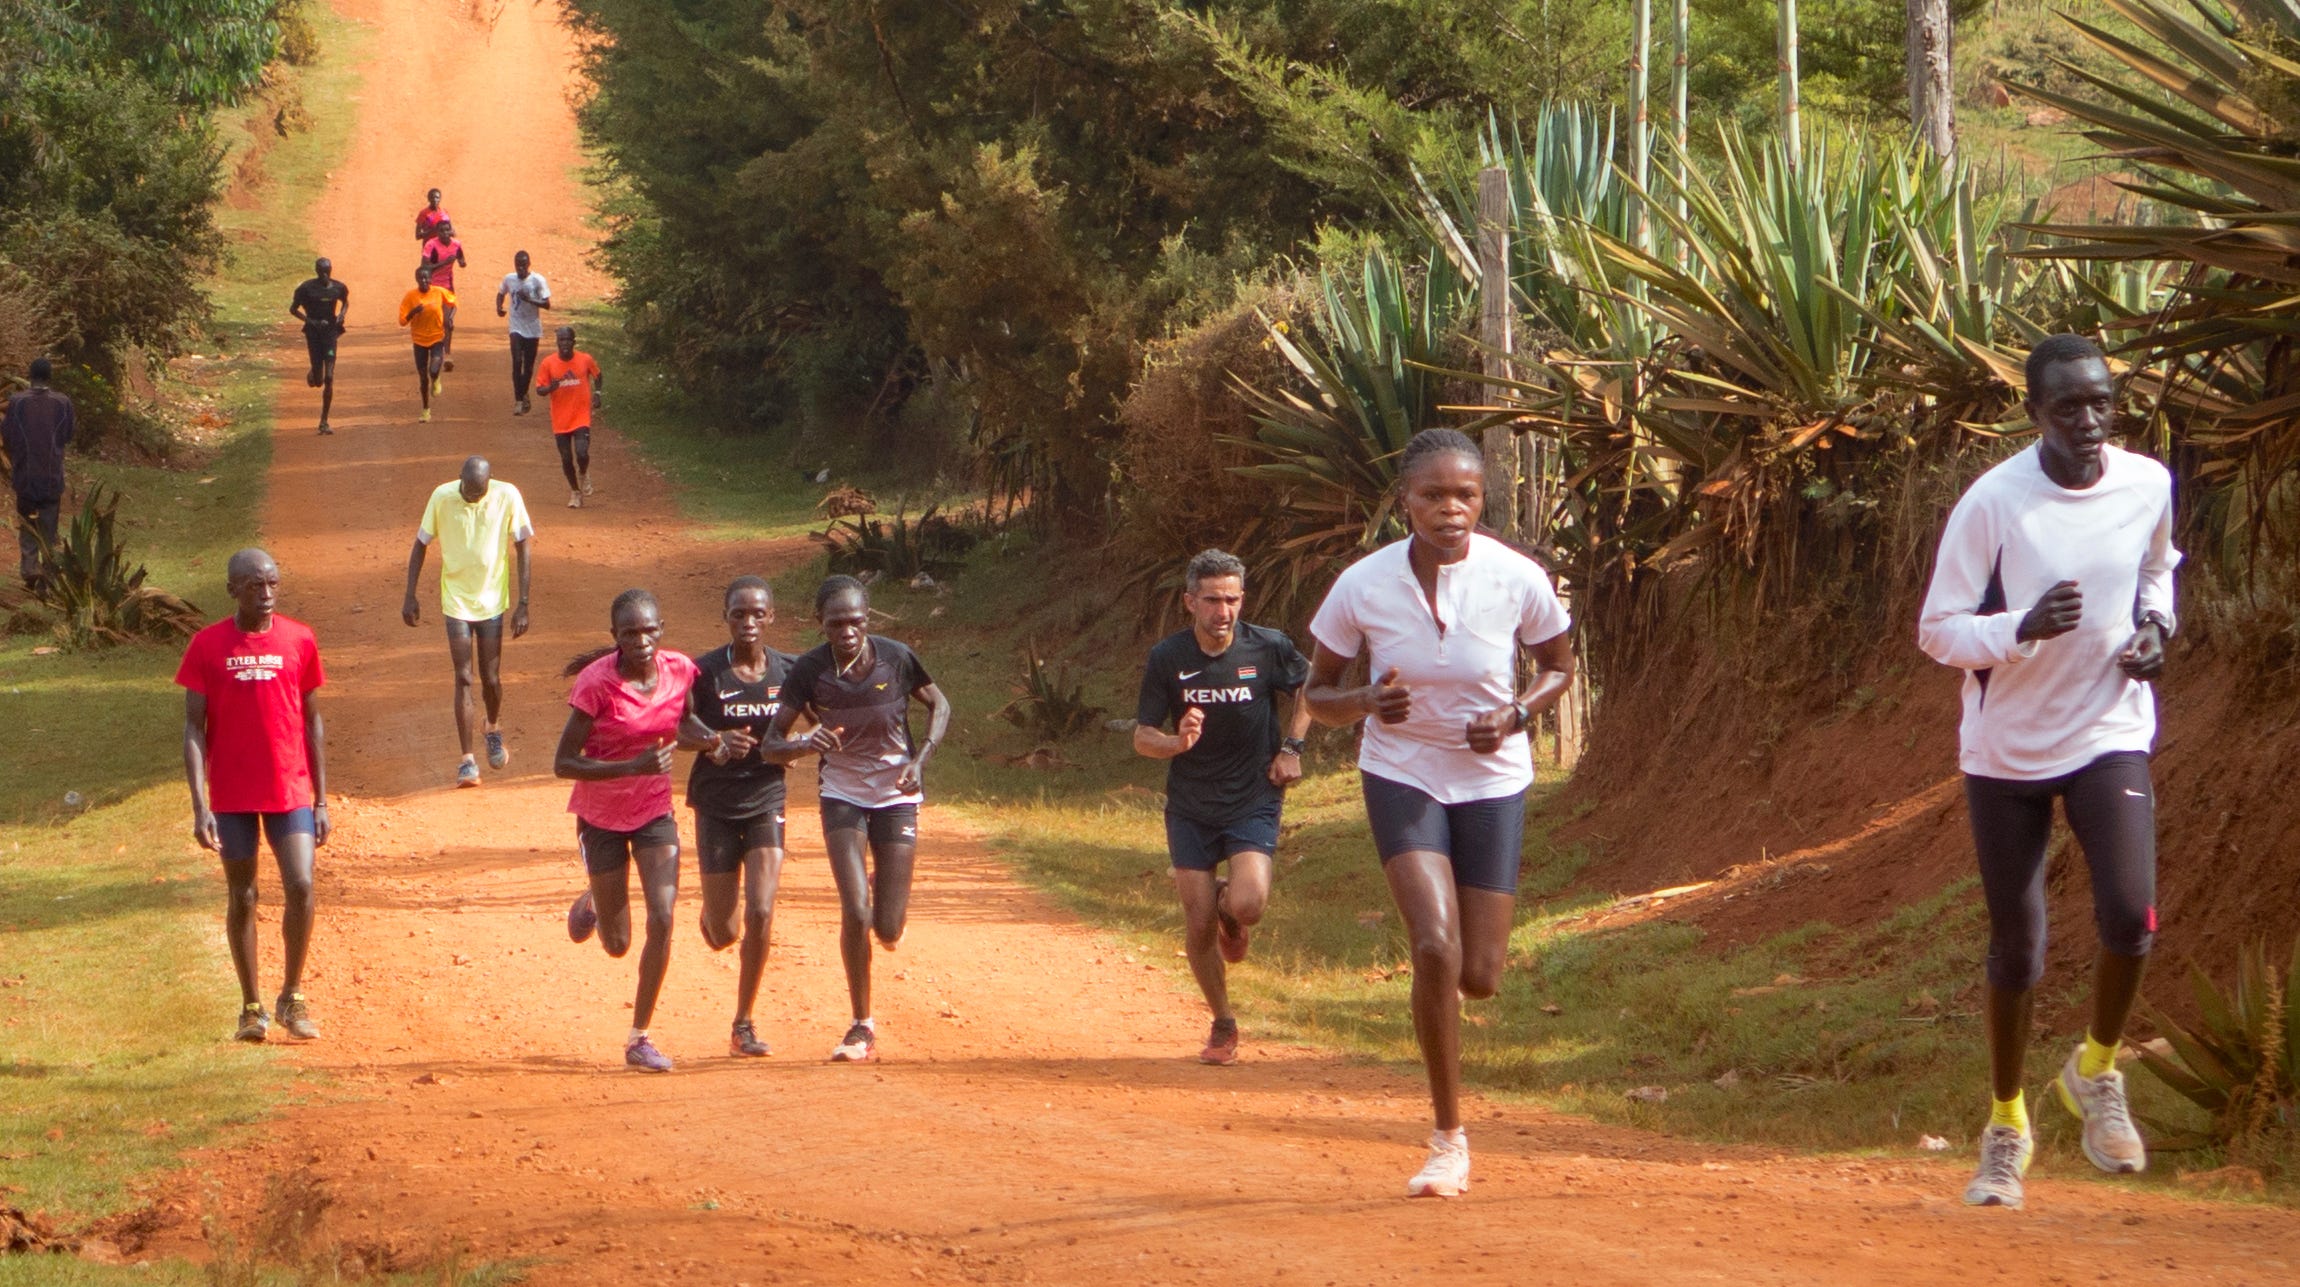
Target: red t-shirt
{"x": 624, "y": 722}
{"x": 429, "y": 220}
{"x": 441, "y": 256}
{"x": 255, "y": 685}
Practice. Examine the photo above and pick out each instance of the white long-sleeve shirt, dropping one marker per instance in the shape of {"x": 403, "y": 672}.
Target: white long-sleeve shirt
{"x": 2048, "y": 707}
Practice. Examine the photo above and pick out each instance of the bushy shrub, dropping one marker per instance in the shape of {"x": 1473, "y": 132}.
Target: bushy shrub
{"x": 92, "y": 598}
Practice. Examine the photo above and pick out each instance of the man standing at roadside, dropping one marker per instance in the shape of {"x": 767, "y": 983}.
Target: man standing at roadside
{"x": 34, "y": 431}
{"x": 321, "y": 304}
{"x": 2053, "y": 592}
{"x": 443, "y": 254}
{"x": 1227, "y": 769}
{"x": 528, "y": 295}
{"x": 481, "y": 528}
{"x": 255, "y": 753}
{"x": 427, "y": 312}
{"x": 573, "y": 382}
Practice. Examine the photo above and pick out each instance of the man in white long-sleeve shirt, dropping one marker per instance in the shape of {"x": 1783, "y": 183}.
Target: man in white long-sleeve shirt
{"x": 2053, "y": 592}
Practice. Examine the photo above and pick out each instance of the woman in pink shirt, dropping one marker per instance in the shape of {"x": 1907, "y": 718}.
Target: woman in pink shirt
{"x": 626, "y": 718}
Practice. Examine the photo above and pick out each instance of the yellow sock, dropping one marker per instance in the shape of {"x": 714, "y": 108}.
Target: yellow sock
{"x": 2096, "y": 1058}
{"x": 2010, "y": 1112}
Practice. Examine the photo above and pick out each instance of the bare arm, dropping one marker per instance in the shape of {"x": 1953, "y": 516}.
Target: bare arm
{"x": 526, "y": 570}
{"x": 1158, "y": 744}
{"x": 315, "y": 754}
{"x": 409, "y": 610}
{"x": 938, "y": 722}
{"x": 196, "y": 767}
{"x": 569, "y": 761}
{"x": 1286, "y": 766}
{"x": 1553, "y": 665}
{"x": 1333, "y": 705}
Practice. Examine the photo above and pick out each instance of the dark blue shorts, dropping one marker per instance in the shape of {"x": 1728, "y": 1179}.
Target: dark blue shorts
{"x": 1482, "y": 837}
{"x": 236, "y": 832}
{"x": 1197, "y": 846}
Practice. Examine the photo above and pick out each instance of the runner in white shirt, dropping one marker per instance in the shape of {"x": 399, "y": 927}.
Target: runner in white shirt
{"x": 528, "y": 295}
{"x": 2053, "y": 592}
{"x": 1445, "y": 764}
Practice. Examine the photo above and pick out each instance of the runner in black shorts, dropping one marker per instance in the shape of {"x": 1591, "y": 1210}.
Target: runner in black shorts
{"x": 322, "y": 304}
{"x": 858, "y": 688}
{"x": 1227, "y": 769}
{"x": 1440, "y": 618}
{"x": 2053, "y": 592}
{"x": 737, "y": 792}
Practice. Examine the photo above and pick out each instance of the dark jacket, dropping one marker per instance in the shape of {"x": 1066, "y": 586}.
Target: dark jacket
{"x": 34, "y": 431}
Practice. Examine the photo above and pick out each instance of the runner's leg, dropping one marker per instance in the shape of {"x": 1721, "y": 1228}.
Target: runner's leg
{"x": 1247, "y": 895}
{"x": 327, "y": 384}
{"x": 659, "y": 884}
{"x": 423, "y": 374}
{"x": 2111, "y": 807}
{"x": 893, "y": 851}
{"x": 762, "y": 875}
{"x": 459, "y": 652}
{"x": 610, "y": 890}
{"x": 291, "y": 842}
{"x": 1196, "y": 890}
{"x": 487, "y": 636}
{"x": 240, "y": 922}
{"x": 1488, "y": 839}
{"x": 566, "y": 444}
{"x": 2012, "y": 821}
{"x": 845, "y": 846}
{"x": 582, "y": 439}
{"x": 1421, "y": 882}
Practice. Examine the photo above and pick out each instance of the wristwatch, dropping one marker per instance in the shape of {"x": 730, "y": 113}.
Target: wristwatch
{"x": 2163, "y": 624}
{"x": 1524, "y": 716}
{"x": 1290, "y": 745}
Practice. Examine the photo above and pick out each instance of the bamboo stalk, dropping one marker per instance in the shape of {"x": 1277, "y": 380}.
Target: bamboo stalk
{"x": 1640, "y": 128}
{"x": 1792, "y": 136}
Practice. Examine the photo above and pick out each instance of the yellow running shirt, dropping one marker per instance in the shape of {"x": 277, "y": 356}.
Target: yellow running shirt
{"x": 429, "y": 325}
{"x": 474, "y": 540}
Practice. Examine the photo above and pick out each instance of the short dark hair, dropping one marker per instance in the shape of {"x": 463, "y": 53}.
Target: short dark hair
{"x": 1205, "y": 565}
{"x": 1431, "y": 443}
{"x": 835, "y": 586}
{"x": 742, "y": 583}
{"x": 42, "y": 368}
{"x": 2053, "y": 350}
{"x": 631, "y": 598}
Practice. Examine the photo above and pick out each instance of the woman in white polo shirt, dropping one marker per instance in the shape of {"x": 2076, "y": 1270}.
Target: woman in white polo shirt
{"x": 1446, "y": 761}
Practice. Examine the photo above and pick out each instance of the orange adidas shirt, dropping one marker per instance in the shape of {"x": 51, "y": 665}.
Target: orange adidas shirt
{"x": 571, "y": 405}
{"x": 429, "y": 325}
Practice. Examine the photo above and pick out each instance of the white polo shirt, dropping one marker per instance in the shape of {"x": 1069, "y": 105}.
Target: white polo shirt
{"x": 1459, "y": 663}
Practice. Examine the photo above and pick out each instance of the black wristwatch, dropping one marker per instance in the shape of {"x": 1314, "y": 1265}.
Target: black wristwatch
{"x": 1524, "y": 716}
{"x": 1290, "y": 745}
{"x": 2163, "y": 624}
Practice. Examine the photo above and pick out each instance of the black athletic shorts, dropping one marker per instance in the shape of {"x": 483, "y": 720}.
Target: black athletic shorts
{"x": 458, "y": 629}
{"x": 720, "y": 843}
{"x": 1192, "y": 845}
{"x": 423, "y": 354}
{"x": 1482, "y": 837}
{"x": 2111, "y": 807}
{"x": 894, "y": 824}
{"x": 319, "y": 342}
{"x": 607, "y": 851}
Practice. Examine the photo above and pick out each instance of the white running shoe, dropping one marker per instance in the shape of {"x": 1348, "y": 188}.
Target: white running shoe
{"x": 2005, "y": 1155}
{"x": 859, "y": 1046}
{"x": 574, "y": 499}
{"x": 586, "y": 484}
{"x": 1446, "y": 1174}
{"x": 2110, "y": 1138}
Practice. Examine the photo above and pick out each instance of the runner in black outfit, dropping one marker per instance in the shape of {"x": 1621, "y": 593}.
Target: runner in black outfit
{"x": 858, "y": 687}
{"x": 737, "y": 792}
{"x": 1227, "y": 769}
{"x": 322, "y": 304}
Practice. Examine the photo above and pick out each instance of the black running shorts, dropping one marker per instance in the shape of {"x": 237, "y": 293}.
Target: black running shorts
{"x": 1192, "y": 845}
{"x": 721, "y": 843}
{"x": 2111, "y": 806}
{"x": 319, "y": 342}
{"x": 894, "y": 824}
{"x": 1482, "y": 837}
{"x": 606, "y": 851}
{"x": 423, "y": 356}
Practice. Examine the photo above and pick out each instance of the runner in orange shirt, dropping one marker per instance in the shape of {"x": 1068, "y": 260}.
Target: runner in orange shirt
{"x": 427, "y": 312}
{"x": 574, "y": 383}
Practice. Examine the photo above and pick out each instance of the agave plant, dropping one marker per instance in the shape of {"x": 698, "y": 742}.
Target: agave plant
{"x": 93, "y": 599}
{"x": 2238, "y": 1063}
{"x": 1048, "y": 703}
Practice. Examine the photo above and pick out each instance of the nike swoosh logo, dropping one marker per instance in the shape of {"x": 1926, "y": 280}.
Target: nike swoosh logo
{"x": 2141, "y": 795}
{"x": 728, "y": 697}
{"x": 1190, "y": 675}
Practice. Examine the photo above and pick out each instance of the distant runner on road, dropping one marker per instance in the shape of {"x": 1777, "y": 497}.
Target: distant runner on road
{"x": 255, "y": 754}
{"x": 627, "y": 707}
{"x": 858, "y": 688}
{"x": 426, "y": 312}
{"x": 1445, "y": 761}
{"x": 736, "y": 792}
{"x": 1227, "y": 769}
{"x": 527, "y": 294}
{"x": 482, "y": 530}
{"x": 322, "y": 304}
{"x": 428, "y": 219}
{"x": 575, "y": 384}
{"x": 2053, "y": 592}
{"x": 443, "y": 254}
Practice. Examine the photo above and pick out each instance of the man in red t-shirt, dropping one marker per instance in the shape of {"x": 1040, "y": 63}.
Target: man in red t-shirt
{"x": 443, "y": 254}
{"x": 428, "y": 219}
{"x": 574, "y": 384}
{"x": 256, "y": 756}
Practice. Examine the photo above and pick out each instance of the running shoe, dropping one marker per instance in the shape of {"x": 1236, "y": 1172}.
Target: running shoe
{"x": 2005, "y": 1154}
{"x": 425, "y": 418}
{"x": 642, "y": 1055}
{"x": 574, "y": 499}
{"x": 447, "y": 364}
{"x": 467, "y": 774}
{"x": 497, "y": 756}
{"x": 745, "y": 1041}
{"x": 1221, "y": 1043}
{"x": 582, "y": 918}
{"x": 1229, "y": 936}
{"x": 324, "y": 429}
{"x": 295, "y": 1016}
{"x": 586, "y": 484}
{"x": 435, "y": 386}
{"x": 859, "y": 1047}
{"x": 1446, "y": 1174}
{"x": 522, "y": 408}
{"x": 2110, "y": 1139}
{"x": 254, "y": 1023}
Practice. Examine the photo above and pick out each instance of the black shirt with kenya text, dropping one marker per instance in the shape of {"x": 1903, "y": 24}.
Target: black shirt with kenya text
{"x": 1227, "y": 774}
{"x": 750, "y": 786}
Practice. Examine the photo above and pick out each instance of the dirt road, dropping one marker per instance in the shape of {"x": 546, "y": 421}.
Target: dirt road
{"x": 1035, "y": 1118}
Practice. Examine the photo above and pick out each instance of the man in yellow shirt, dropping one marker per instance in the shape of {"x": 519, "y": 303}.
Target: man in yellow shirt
{"x": 479, "y": 525}
{"x": 427, "y": 312}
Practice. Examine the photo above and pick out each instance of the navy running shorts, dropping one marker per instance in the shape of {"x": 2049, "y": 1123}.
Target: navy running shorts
{"x": 606, "y": 851}
{"x": 893, "y": 824}
{"x": 1192, "y": 845}
{"x": 236, "y": 832}
{"x": 720, "y": 843}
{"x": 1482, "y": 837}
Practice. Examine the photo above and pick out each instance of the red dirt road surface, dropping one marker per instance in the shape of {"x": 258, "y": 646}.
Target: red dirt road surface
{"x": 1037, "y": 1116}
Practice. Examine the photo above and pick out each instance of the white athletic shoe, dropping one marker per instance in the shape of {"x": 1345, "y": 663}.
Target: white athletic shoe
{"x": 574, "y": 499}
{"x": 1446, "y": 1174}
{"x": 2110, "y": 1139}
{"x": 2005, "y": 1155}
{"x": 586, "y": 484}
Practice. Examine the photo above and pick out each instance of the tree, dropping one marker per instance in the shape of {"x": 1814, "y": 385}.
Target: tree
{"x": 1931, "y": 103}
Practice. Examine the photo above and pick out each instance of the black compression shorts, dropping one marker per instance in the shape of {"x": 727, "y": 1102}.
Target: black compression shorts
{"x": 606, "y": 851}
{"x": 721, "y": 843}
{"x": 2111, "y": 807}
{"x": 1482, "y": 837}
{"x": 894, "y": 824}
